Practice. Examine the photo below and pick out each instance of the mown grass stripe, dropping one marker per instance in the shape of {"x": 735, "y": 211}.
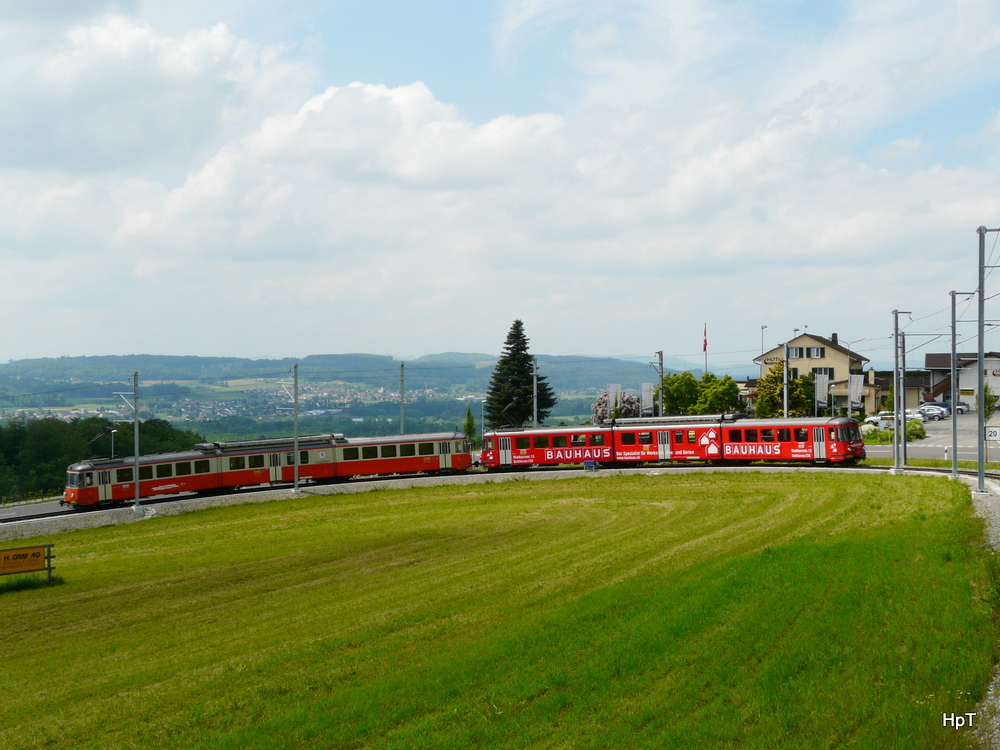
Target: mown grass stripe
{"x": 671, "y": 611}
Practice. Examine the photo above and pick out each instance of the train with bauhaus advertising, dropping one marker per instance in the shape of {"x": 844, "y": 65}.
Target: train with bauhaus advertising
{"x": 718, "y": 439}
{"x": 215, "y": 467}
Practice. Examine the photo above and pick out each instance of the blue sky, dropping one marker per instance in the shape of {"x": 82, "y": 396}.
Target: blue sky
{"x": 285, "y": 178}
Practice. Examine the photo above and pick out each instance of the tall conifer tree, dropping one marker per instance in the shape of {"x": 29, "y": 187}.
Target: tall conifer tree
{"x": 509, "y": 398}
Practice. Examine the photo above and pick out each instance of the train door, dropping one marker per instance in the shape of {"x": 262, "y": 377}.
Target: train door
{"x": 506, "y": 456}
{"x": 444, "y": 449}
{"x": 104, "y": 485}
{"x": 819, "y": 444}
{"x": 274, "y": 464}
{"x": 663, "y": 441}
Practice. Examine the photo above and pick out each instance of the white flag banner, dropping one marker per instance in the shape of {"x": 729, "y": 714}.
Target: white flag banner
{"x": 646, "y": 398}
{"x": 857, "y": 387}
{"x": 614, "y": 396}
{"x": 822, "y": 388}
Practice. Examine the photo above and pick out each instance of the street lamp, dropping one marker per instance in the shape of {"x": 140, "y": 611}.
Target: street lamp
{"x": 113, "y": 443}
{"x": 762, "y": 340}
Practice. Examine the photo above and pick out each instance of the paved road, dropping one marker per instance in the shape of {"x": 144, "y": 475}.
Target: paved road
{"x": 939, "y": 440}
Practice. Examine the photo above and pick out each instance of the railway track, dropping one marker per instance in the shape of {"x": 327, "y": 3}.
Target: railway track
{"x": 251, "y": 493}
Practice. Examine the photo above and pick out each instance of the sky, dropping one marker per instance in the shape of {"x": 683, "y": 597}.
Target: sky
{"x": 255, "y": 178}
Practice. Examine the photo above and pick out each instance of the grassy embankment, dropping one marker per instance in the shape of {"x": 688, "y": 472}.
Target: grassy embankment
{"x": 691, "y": 611}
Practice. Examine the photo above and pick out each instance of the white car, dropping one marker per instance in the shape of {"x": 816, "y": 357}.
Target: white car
{"x": 886, "y": 416}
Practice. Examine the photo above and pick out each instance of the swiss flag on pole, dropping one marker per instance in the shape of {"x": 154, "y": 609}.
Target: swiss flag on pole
{"x": 704, "y": 345}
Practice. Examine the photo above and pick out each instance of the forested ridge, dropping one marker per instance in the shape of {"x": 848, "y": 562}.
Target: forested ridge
{"x": 34, "y": 454}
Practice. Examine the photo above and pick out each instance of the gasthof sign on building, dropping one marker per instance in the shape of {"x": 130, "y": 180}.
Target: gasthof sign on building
{"x": 842, "y": 369}
{"x": 27, "y": 560}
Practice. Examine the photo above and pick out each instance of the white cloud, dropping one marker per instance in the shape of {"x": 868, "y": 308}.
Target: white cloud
{"x": 114, "y": 94}
{"x": 196, "y": 188}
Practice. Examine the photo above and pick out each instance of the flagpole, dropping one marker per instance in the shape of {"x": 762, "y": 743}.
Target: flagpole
{"x": 704, "y": 347}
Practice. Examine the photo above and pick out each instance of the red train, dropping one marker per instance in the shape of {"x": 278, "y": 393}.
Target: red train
{"x": 213, "y": 467}
{"x": 720, "y": 439}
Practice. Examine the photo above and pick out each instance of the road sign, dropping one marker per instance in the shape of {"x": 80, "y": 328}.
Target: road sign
{"x": 992, "y": 433}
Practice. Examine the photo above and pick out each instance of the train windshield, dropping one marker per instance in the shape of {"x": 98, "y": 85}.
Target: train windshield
{"x": 74, "y": 479}
{"x": 849, "y": 434}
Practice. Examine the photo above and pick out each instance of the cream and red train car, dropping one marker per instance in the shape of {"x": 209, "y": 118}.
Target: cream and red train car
{"x": 212, "y": 467}
{"x": 718, "y": 439}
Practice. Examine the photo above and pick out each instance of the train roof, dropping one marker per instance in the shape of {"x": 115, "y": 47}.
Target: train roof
{"x": 694, "y": 420}
{"x": 205, "y": 450}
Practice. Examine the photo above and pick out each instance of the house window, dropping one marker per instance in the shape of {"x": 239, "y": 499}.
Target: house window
{"x": 795, "y": 352}
{"x": 823, "y": 371}
{"x": 815, "y": 352}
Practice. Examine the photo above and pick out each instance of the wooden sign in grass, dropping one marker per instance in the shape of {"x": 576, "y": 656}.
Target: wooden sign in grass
{"x": 27, "y": 560}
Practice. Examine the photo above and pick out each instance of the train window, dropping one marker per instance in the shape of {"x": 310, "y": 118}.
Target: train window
{"x": 784, "y": 435}
{"x": 578, "y": 441}
{"x": 369, "y": 451}
{"x": 522, "y": 442}
{"x": 351, "y": 454}
{"x": 388, "y": 451}
{"x": 541, "y": 441}
{"x": 597, "y": 439}
{"x": 833, "y": 433}
{"x": 408, "y": 449}
{"x": 90, "y": 479}
{"x": 303, "y": 458}
{"x": 202, "y": 467}
{"x": 425, "y": 449}
{"x": 645, "y": 438}
{"x": 628, "y": 438}
{"x": 736, "y": 436}
{"x": 767, "y": 435}
{"x": 559, "y": 441}
{"x": 255, "y": 462}
{"x": 164, "y": 470}
{"x": 123, "y": 475}
{"x": 678, "y": 437}
{"x": 145, "y": 472}
{"x": 692, "y": 437}
{"x": 183, "y": 468}
{"x": 490, "y": 444}
{"x": 802, "y": 434}
{"x": 750, "y": 436}
{"x": 237, "y": 462}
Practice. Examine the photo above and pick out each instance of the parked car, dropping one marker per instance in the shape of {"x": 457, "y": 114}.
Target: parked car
{"x": 961, "y": 407}
{"x": 935, "y": 412}
{"x": 945, "y": 405}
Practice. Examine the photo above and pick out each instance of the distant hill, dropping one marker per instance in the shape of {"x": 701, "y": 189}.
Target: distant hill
{"x": 451, "y": 371}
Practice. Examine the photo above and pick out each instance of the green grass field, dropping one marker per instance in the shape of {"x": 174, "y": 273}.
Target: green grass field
{"x": 714, "y": 610}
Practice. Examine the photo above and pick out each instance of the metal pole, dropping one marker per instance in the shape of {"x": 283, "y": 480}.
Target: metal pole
{"x": 785, "y": 384}
{"x": 402, "y": 399}
{"x": 534, "y": 392}
{"x": 135, "y": 437}
{"x": 903, "y": 437}
{"x": 295, "y": 439}
{"x": 895, "y": 390}
{"x": 980, "y": 376}
{"x": 660, "y": 384}
{"x": 954, "y": 391}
